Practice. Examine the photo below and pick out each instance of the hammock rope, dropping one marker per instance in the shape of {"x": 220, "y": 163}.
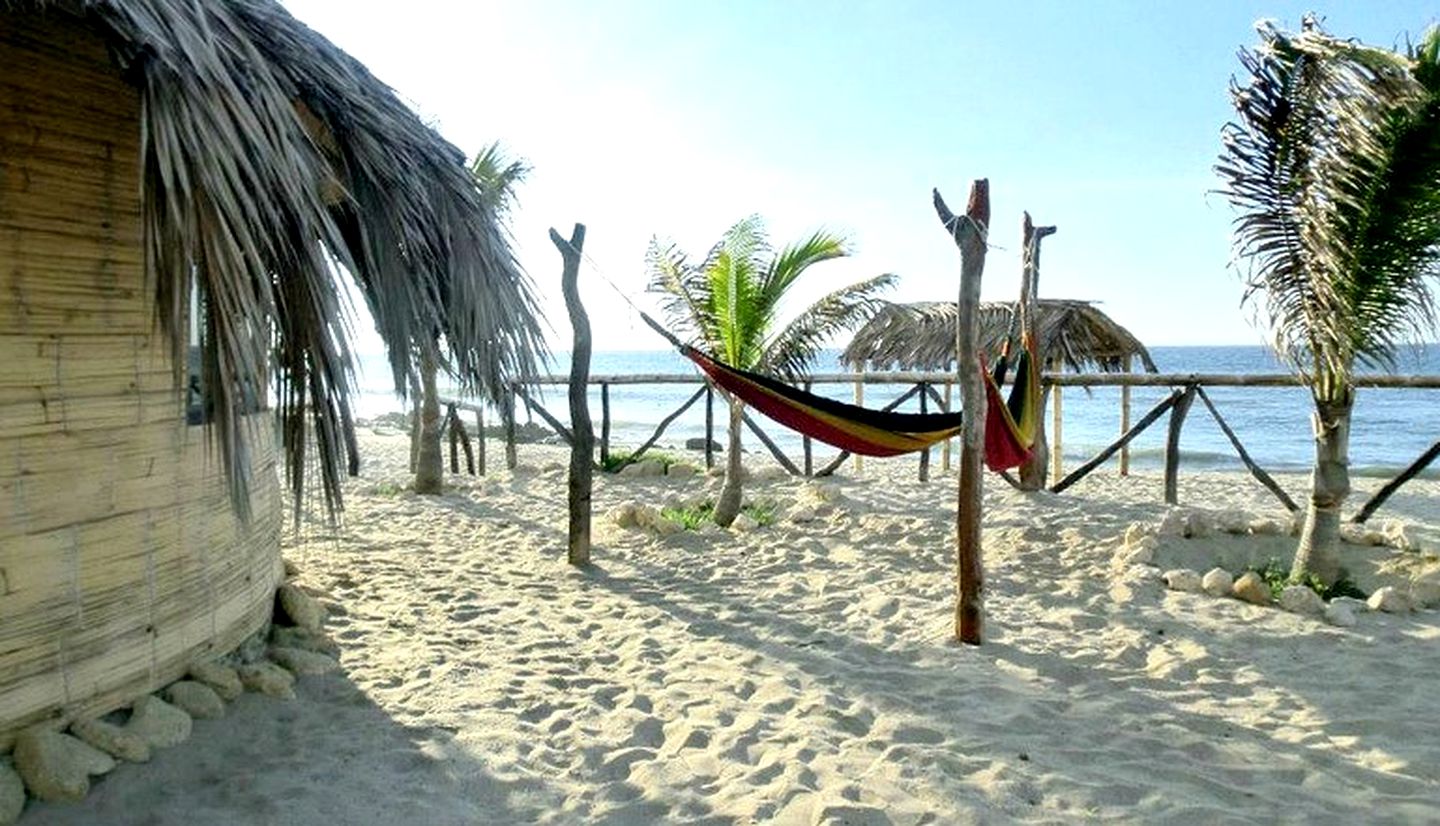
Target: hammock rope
{"x": 1010, "y": 424}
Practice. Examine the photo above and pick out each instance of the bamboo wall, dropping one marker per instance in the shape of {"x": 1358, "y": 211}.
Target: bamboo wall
{"x": 120, "y": 560}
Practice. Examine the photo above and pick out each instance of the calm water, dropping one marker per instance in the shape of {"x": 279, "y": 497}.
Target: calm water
{"x": 1391, "y": 427}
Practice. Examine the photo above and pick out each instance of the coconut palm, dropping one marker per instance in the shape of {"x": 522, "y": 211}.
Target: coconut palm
{"x": 1334, "y": 167}
{"x": 730, "y": 303}
{"x": 495, "y": 177}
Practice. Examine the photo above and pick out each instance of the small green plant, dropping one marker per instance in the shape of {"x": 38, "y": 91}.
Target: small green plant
{"x": 388, "y": 489}
{"x": 1277, "y": 578}
{"x": 618, "y": 460}
{"x": 763, "y": 512}
{"x": 689, "y": 517}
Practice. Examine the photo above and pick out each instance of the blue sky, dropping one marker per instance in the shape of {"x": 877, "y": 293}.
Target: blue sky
{"x": 678, "y": 118}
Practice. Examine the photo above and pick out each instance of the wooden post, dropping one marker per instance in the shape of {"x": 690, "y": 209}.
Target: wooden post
{"x": 1057, "y": 426}
{"x": 1032, "y": 470}
{"x": 582, "y": 448}
{"x": 454, "y": 439}
{"x": 859, "y": 402}
{"x": 1125, "y": 421}
{"x": 805, "y": 445}
{"x": 1172, "y": 445}
{"x": 945, "y": 448}
{"x": 968, "y": 232}
{"x": 924, "y": 454}
{"x": 1394, "y": 484}
{"x": 508, "y": 413}
{"x": 604, "y": 423}
{"x": 709, "y": 426}
{"x": 480, "y": 437}
{"x": 415, "y": 431}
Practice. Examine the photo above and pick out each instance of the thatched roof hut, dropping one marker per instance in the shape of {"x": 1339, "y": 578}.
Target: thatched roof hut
{"x": 921, "y": 336}
{"x": 185, "y": 183}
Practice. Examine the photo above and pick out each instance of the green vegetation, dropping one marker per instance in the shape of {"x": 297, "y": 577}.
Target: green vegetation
{"x": 691, "y": 517}
{"x": 1277, "y": 577}
{"x": 388, "y": 489}
{"x": 619, "y": 459}
{"x": 1333, "y": 164}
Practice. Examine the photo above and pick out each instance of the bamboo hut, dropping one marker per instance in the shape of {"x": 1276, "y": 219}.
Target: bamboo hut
{"x": 185, "y": 183}
{"x": 921, "y": 336}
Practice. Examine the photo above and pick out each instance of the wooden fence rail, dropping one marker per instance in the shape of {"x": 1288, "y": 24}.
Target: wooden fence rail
{"x": 1186, "y": 387}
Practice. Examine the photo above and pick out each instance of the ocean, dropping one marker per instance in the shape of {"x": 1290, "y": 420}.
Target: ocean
{"x": 1390, "y": 427}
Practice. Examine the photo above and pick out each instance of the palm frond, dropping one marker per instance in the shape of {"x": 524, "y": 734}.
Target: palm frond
{"x": 794, "y": 347}
{"x": 1303, "y": 165}
{"x": 497, "y": 177}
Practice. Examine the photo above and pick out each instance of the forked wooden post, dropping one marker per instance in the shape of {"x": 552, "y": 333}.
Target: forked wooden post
{"x": 1032, "y": 470}
{"x": 1057, "y": 426}
{"x": 582, "y": 446}
{"x": 968, "y": 232}
{"x": 709, "y": 426}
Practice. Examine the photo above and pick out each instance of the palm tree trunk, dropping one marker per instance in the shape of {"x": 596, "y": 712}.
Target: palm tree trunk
{"x": 429, "y": 464}
{"x": 1319, "y": 551}
{"x": 727, "y": 507}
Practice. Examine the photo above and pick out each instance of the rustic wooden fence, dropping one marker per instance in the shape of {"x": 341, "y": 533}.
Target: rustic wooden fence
{"x": 936, "y": 388}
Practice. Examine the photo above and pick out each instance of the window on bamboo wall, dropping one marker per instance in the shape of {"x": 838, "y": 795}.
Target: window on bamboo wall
{"x": 198, "y": 411}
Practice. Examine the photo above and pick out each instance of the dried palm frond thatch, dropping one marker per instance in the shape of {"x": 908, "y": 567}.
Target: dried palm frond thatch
{"x": 921, "y": 336}
{"x": 273, "y": 165}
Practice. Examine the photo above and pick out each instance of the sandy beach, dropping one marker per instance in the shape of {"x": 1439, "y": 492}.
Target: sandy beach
{"x": 804, "y": 672}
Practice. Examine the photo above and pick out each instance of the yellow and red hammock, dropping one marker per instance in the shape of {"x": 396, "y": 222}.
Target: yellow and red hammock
{"x": 1010, "y": 424}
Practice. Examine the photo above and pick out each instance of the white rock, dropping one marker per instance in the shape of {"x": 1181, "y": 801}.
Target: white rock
{"x": 1425, "y": 589}
{"x": 1136, "y": 531}
{"x": 1356, "y": 606}
{"x": 802, "y": 514}
{"x": 158, "y": 723}
{"x": 112, "y": 739}
{"x": 303, "y": 638}
{"x": 269, "y": 679}
{"x": 1269, "y": 526}
{"x": 645, "y": 468}
{"x": 1217, "y": 582}
{"x": 57, "y": 767}
{"x": 221, "y": 678}
{"x": 681, "y": 471}
{"x": 196, "y": 699}
{"x": 1175, "y": 523}
{"x": 624, "y": 515}
{"x": 1298, "y": 599}
{"x": 1251, "y": 587}
{"x": 301, "y": 608}
{"x": 744, "y": 523}
{"x": 1340, "y": 614}
{"x": 1182, "y": 579}
{"x": 1143, "y": 554}
{"x": 1390, "y": 600}
{"x": 12, "y": 793}
{"x": 300, "y": 661}
{"x": 1402, "y": 535}
{"x": 1233, "y": 521}
{"x": 1200, "y": 525}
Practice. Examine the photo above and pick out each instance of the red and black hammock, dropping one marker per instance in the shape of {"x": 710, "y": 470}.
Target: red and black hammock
{"x": 1009, "y": 423}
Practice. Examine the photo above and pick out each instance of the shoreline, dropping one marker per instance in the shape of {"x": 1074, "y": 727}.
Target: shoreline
{"x": 801, "y": 671}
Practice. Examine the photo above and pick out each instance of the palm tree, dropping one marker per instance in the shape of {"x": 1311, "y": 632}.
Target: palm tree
{"x": 730, "y": 305}
{"x": 1334, "y": 167}
{"x": 495, "y": 177}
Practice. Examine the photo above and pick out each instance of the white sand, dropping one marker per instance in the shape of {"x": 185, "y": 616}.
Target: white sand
{"x": 802, "y": 672}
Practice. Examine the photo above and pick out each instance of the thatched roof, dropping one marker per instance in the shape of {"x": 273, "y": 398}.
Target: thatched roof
{"x": 269, "y": 156}
{"x": 922, "y": 336}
